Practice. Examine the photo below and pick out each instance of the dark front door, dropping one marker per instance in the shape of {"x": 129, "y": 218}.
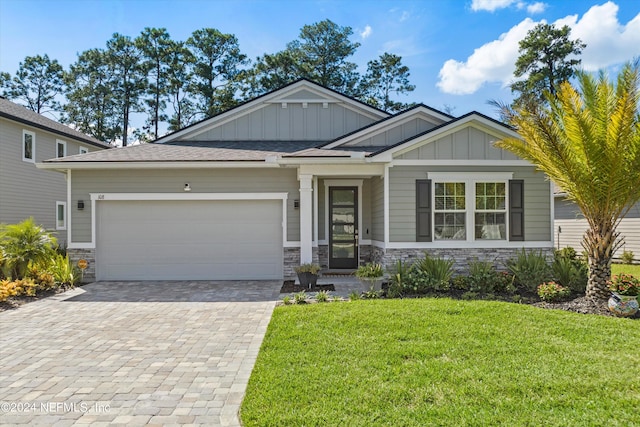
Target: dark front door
{"x": 343, "y": 227}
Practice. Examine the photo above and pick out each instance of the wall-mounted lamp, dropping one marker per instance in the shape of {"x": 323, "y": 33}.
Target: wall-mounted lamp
{"x": 80, "y": 205}
{"x": 296, "y": 204}
{"x": 187, "y": 187}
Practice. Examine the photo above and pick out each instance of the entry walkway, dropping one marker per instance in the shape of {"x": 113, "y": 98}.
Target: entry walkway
{"x": 133, "y": 353}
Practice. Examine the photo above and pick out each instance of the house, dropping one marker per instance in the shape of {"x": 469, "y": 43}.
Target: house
{"x": 26, "y": 191}
{"x": 570, "y": 227}
{"x": 303, "y": 174}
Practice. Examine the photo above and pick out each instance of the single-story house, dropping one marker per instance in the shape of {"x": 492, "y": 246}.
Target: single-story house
{"x": 304, "y": 174}
{"x": 27, "y": 138}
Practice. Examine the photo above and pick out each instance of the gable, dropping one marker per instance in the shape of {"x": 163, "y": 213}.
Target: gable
{"x": 302, "y": 111}
{"x": 393, "y": 134}
{"x": 465, "y": 143}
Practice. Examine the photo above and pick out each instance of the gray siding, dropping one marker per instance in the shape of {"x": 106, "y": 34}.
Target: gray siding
{"x": 294, "y": 123}
{"x": 377, "y": 209}
{"x": 26, "y": 191}
{"x": 573, "y": 231}
{"x": 172, "y": 181}
{"x": 468, "y": 143}
{"x": 402, "y": 204}
{"x": 394, "y": 134}
{"x": 564, "y": 209}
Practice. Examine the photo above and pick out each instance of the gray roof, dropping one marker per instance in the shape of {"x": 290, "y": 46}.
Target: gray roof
{"x": 16, "y": 112}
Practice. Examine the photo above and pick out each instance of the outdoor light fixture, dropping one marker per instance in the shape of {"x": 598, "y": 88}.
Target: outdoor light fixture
{"x": 187, "y": 187}
{"x": 80, "y": 205}
{"x": 296, "y": 204}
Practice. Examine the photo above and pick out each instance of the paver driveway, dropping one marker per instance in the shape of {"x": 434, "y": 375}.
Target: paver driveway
{"x": 133, "y": 353}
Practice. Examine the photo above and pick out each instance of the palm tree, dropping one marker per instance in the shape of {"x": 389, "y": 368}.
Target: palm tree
{"x": 587, "y": 140}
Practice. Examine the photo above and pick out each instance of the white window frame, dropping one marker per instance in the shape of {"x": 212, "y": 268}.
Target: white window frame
{"x": 64, "y": 219}
{"x": 470, "y": 179}
{"x": 450, "y": 211}
{"x": 60, "y": 142}
{"x": 504, "y": 211}
{"x": 82, "y": 150}
{"x": 33, "y": 146}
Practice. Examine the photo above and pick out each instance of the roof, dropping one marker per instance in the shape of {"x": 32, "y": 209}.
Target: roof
{"x": 18, "y": 113}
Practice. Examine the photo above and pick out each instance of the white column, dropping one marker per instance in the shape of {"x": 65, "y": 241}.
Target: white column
{"x": 306, "y": 218}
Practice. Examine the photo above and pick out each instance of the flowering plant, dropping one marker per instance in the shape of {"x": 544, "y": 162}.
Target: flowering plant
{"x": 624, "y": 284}
{"x": 552, "y": 291}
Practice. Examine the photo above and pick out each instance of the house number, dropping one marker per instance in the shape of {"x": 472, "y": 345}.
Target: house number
{"x": 100, "y": 196}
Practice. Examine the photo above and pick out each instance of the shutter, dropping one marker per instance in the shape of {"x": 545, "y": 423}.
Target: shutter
{"x": 516, "y": 210}
{"x": 423, "y": 210}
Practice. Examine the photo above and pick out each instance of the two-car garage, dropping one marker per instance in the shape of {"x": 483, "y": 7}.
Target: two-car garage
{"x": 189, "y": 239}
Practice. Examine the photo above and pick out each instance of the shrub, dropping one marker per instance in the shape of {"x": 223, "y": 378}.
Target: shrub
{"x": 483, "y": 277}
{"x": 307, "y": 268}
{"x": 504, "y": 282}
{"x": 552, "y": 292}
{"x": 627, "y": 257}
{"x": 64, "y": 271}
{"x": 370, "y": 271}
{"x": 22, "y": 243}
{"x": 398, "y": 278}
{"x": 7, "y": 290}
{"x": 569, "y": 270}
{"x": 26, "y": 287}
{"x": 624, "y": 284}
{"x": 300, "y": 298}
{"x": 439, "y": 269}
{"x": 529, "y": 269}
{"x": 286, "y": 300}
{"x": 322, "y": 296}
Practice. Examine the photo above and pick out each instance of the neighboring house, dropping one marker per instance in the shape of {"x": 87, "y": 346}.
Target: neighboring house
{"x": 304, "y": 174}
{"x": 570, "y": 227}
{"x": 26, "y": 138}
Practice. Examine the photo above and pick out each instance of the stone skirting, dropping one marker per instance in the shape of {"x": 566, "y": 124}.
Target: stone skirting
{"x": 291, "y": 261}
{"x": 89, "y": 255}
{"x": 460, "y": 256}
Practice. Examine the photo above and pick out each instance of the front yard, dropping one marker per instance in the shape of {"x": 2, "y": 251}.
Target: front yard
{"x": 417, "y": 362}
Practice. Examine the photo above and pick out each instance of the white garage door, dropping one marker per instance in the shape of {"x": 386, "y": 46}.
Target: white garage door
{"x": 189, "y": 240}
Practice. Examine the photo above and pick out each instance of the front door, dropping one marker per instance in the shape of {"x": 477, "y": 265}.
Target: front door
{"x": 343, "y": 227}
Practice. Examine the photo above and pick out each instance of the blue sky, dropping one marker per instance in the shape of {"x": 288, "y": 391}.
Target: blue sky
{"x": 460, "y": 52}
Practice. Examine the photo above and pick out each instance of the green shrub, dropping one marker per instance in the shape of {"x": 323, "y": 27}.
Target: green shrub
{"x": 461, "y": 283}
{"x": 398, "y": 278}
{"x": 322, "y": 296}
{"x": 627, "y": 257}
{"x": 439, "y": 269}
{"x": 552, "y": 292}
{"x": 286, "y": 300}
{"x": 307, "y": 268}
{"x": 570, "y": 270}
{"x": 300, "y": 298}
{"x": 529, "y": 269}
{"x": 23, "y": 243}
{"x": 483, "y": 277}
{"x": 370, "y": 271}
{"x": 64, "y": 271}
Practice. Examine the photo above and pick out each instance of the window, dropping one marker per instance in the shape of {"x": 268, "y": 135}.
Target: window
{"x": 490, "y": 217}
{"x": 83, "y": 150}
{"x": 449, "y": 220}
{"x": 28, "y": 146}
{"x": 61, "y": 215}
{"x": 61, "y": 148}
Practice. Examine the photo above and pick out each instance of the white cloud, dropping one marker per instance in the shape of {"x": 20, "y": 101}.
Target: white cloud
{"x": 490, "y": 5}
{"x": 366, "y": 32}
{"x": 608, "y": 42}
{"x": 537, "y": 7}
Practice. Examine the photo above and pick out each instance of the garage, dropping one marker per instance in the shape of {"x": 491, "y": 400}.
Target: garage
{"x": 189, "y": 239}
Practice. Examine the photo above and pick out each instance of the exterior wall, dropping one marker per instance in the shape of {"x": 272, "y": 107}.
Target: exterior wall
{"x": 394, "y": 134}
{"x": 172, "y": 181}
{"x": 570, "y": 226}
{"x": 89, "y": 274}
{"x": 293, "y": 123}
{"x": 402, "y": 203}
{"x": 461, "y": 257}
{"x": 468, "y": 143}
{"x": 26, "y": 191}
{"x": 291, "y": 261}
{"x": 377, "y": 209}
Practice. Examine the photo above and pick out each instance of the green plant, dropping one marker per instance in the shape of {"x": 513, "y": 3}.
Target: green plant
{"x": 504, "y": 282}
{"x": 553, "y": 292}
{"x": 398, "y": 278}
{"x": 624, "y": 284}
{"x": 286, "y": 300}
{"x": 370, "y": 271}
{"x": 461, "y": 283}
{"x": 354, "y": 296}
{"x": 439, "y": 269}
{"x": 529, "y": 269}
{"x": 24, "y": 242}
{"x": 570, "y": 272}
{"x": 371, "y": 294}
{"x": 300, "y": 298}
{"x": 483, "y": 276}
{"x": 336, "y": 298}
{"x": 307, "y": 268}
{"x": 627, "y": 257}
{"x": 64, "y": 271}
{"x": 322, "y": 296}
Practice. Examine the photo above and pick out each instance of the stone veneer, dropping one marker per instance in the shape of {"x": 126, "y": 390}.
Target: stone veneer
{"x": 75, "y": 255}
{"x": 460, "y": 256}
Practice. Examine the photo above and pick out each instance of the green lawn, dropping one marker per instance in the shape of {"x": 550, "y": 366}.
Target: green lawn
{"x": 423, "y": 362}
{"x": 626, "y": 268}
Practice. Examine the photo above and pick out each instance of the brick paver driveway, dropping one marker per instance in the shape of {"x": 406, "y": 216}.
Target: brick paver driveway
{"x": 133, "y": 353}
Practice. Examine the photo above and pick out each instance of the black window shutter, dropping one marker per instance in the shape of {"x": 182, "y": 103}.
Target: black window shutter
{"x": 516, "y": 210}
{"x": 423, "y": 210}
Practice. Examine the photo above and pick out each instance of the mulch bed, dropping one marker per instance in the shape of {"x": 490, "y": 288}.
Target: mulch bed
{"x": 289, "y": 286}
{"x": 15, "y": 302}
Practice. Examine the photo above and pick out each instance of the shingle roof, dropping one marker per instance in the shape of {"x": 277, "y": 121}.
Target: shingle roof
{"x": 21, "y": 114}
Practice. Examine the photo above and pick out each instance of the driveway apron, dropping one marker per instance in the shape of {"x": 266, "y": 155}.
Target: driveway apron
{"x": 133, "y": 353}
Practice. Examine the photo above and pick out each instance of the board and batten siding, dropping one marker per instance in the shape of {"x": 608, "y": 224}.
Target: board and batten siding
{"x": 468, "y": 143}
{"x": 570, "y": 226}
{"x": 172, "y": 181}
{"x": 394, "y": 134}
{"x": 402, "y": 199}
{"x": 293, "y": 123}
{"x": 26, "y": 191}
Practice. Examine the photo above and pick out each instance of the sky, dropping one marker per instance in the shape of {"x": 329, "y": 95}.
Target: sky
{"x": 460, "y": 53}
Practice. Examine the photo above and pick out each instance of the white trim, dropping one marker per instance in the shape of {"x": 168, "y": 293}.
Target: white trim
{"x": 386, "y": 204}
{"x": 445, "y": 162}
{"x": 64, "y": 148}
{"x": 470, "y": 176}
{"x": 315, "y": 211}
{"x": 552, "y": 212}
{"x": 306, "y": 218}
{"x": 343, "y": 183}
{"x": 33, "y": 146}
{"x": 477, "y": 244}
{"x": 64, "y": 213}
{"x": 157, "y": 165}
{"x": 81, "y": 148}
{"x": 84, "y": 245}
{"x": 68, "y": 179}
{"x": 291, "y": 244}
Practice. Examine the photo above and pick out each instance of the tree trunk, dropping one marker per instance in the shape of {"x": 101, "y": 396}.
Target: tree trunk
{"x": 599, "y": 274}
{"x": 600, "y": 242}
